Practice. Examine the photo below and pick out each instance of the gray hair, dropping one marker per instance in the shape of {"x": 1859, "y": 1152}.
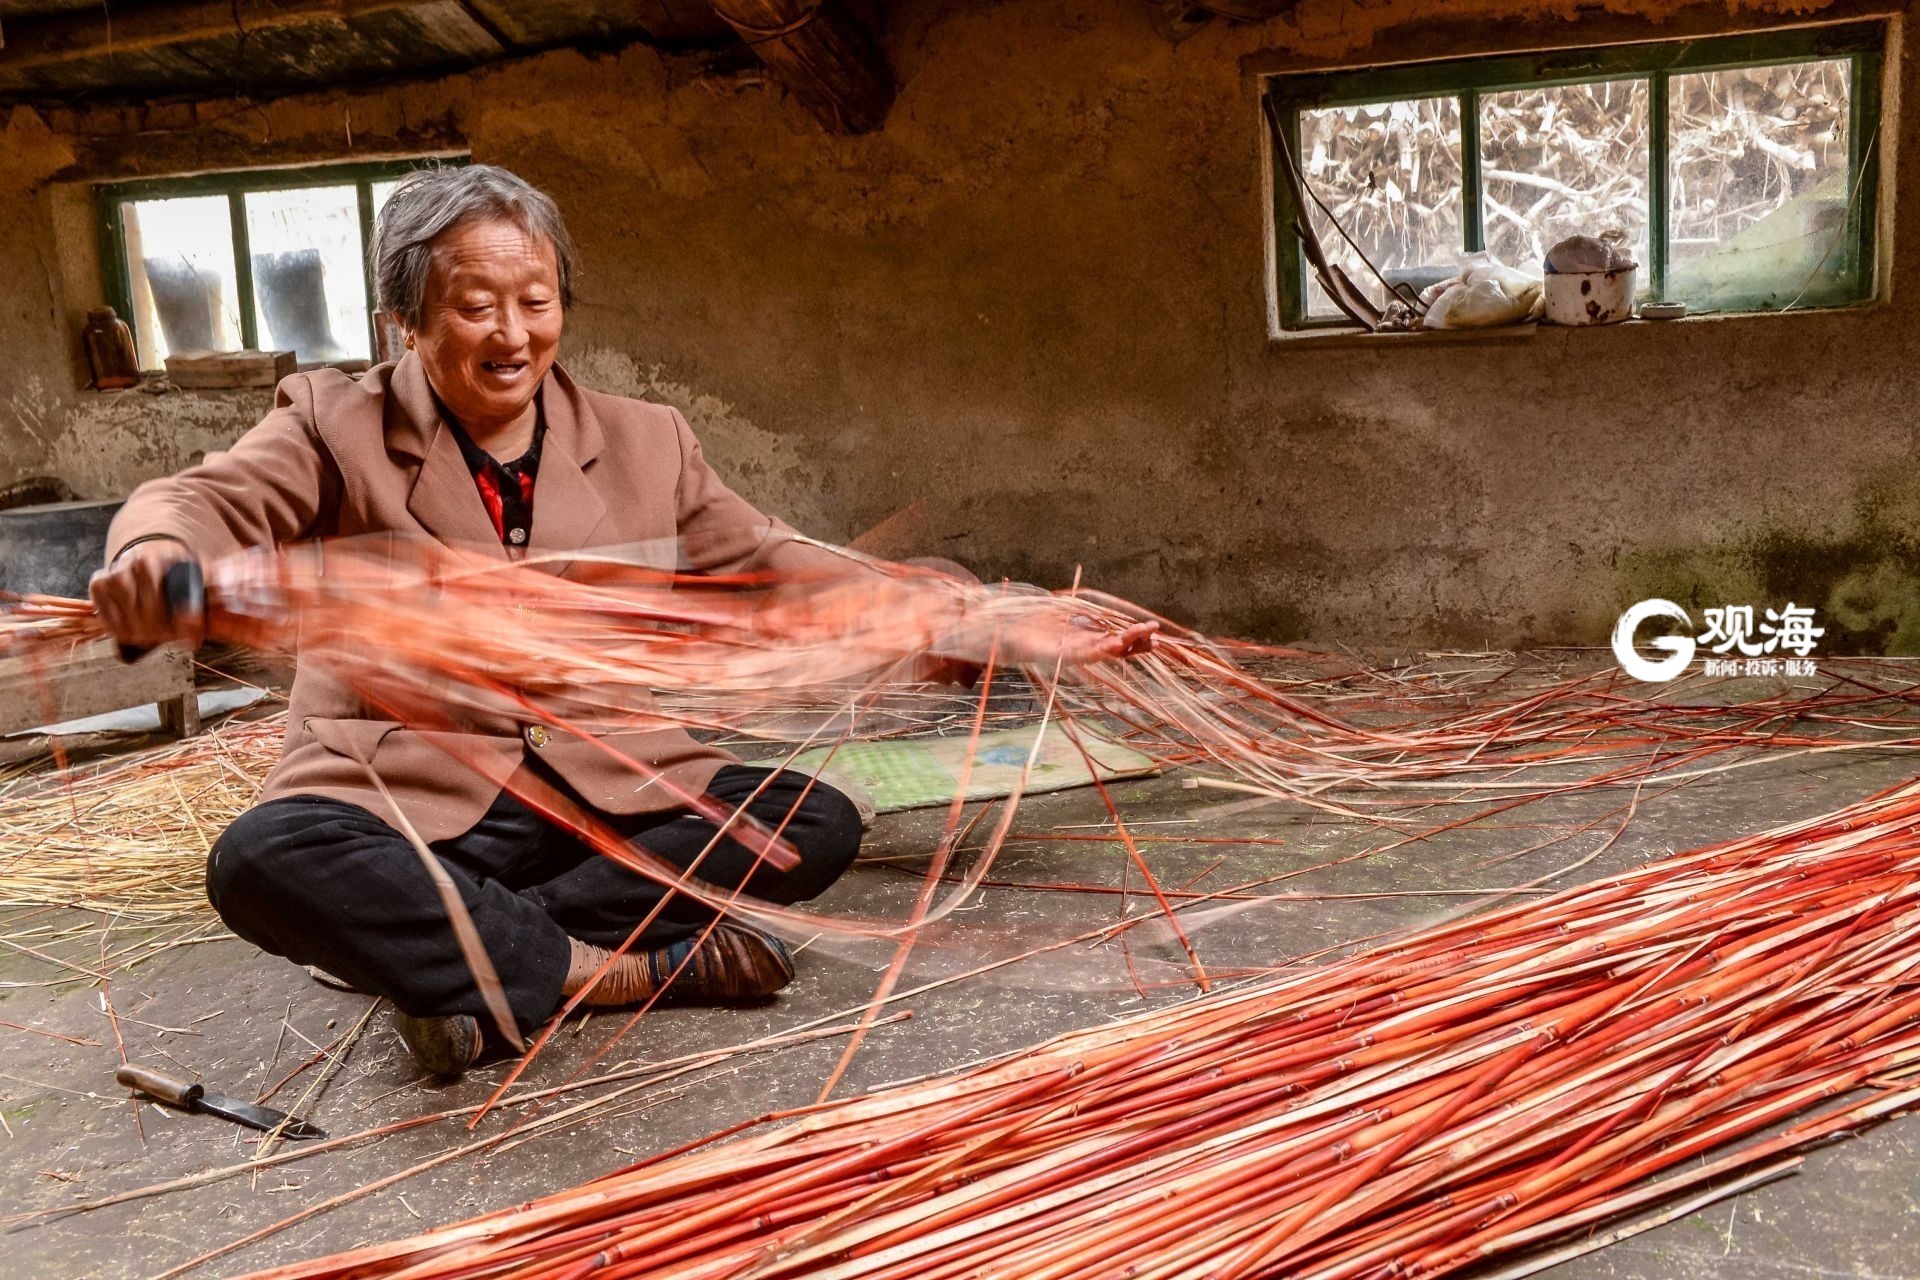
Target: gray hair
{"x": 430, "y": 201}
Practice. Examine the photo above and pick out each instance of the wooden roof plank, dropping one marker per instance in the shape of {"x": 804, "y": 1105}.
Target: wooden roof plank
{"x": 35, "y": 42}
{"x": 200, "y": 47}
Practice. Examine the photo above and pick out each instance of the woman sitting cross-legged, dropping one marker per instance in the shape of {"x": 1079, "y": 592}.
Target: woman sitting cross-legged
{"x": 476, "y": 438}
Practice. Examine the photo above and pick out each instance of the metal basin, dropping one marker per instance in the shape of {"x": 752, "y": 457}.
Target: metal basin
{"x": 52, "y": 548}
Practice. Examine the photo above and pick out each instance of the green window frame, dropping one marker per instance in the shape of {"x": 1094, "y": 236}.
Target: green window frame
{"x": 1863, "y": 43}
{"x": 116, "y": 272}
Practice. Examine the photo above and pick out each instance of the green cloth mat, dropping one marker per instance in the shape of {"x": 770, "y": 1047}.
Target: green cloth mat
{"x": 915, "y": 773}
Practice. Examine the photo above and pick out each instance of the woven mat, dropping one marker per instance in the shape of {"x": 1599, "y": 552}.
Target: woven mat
{"x": 916, "y": 773}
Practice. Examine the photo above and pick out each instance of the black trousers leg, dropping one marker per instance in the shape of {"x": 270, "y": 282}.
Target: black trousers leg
{"x": 599, "y": 901}
{"x": 327, "y": 883}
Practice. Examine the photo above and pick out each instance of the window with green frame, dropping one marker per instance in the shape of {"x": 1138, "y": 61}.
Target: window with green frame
{"x": 1739, "y": 172}
{"x": 271, "y": 259}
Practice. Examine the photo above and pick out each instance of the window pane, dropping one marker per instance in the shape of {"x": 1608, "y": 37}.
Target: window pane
{"x": 1760, "y": 186}
{"x": 1390, "y": 174}
{"x": 1562, "y": 161}
{"x": 309, "y": 288}
{"x": 381, "y": 190}
{"x": 180, "y": 260}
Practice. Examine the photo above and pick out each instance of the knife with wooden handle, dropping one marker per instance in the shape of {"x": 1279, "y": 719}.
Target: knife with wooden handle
{"x": 188, "y": 1096}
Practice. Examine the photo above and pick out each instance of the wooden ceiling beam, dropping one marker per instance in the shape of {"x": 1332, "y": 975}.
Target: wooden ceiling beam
{"x": 73, "y": 37}
{"x": 822, "y": 53}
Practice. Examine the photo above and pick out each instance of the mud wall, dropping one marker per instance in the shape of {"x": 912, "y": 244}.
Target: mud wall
{"x": 1033, "y": 309}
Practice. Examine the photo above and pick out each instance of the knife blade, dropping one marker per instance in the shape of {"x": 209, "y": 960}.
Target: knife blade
{"x": 191, "y": 1097}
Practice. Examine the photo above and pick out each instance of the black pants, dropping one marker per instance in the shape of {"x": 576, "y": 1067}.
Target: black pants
{"x": 327, "y": 883}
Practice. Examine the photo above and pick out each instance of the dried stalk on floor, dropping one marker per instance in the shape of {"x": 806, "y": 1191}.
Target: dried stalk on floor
{"x": 1473, "y": 1089}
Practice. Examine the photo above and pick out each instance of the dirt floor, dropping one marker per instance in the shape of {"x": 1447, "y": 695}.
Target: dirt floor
{"x": 240, "y": 1020}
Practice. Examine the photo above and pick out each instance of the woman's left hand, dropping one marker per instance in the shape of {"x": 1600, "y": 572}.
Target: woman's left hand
{"x": 1085, "y": 644}
{"x": 1071, "y": 644}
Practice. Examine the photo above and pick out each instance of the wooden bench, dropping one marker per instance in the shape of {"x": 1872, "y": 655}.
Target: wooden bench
{"x": 94, "y": 682}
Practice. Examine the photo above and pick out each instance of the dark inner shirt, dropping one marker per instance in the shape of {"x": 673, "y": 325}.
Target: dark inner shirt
{"x": 506, "y": 488}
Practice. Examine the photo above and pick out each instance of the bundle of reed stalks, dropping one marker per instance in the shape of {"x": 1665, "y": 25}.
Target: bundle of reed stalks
{"x": 1476, "y": 1088}
{"x": 436, "y": 638}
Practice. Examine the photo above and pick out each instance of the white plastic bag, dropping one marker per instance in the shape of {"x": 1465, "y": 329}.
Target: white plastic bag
{"x": 1487, "y": 293}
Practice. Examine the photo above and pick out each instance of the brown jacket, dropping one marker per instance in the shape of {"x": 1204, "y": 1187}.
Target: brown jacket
{"x": 339, "y": 457}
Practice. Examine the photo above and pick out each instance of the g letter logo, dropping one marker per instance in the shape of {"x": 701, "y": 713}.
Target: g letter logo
{"x": 1679, "y": 649}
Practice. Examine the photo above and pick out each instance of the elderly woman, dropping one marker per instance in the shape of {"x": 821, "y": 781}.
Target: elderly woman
{"x": 477, "y": 438}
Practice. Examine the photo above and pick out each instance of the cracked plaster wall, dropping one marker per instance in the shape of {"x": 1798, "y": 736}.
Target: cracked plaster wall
{"x": 1032, "y": 310}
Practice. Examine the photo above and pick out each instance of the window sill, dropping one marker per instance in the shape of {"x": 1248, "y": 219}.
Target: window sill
{"x": 1321, "y": 339}
{"x": 154, "y": 381}
{"x": 160, "y": 387}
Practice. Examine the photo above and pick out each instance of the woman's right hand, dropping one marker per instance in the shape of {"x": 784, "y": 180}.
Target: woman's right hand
{"x": 131, "y": 595}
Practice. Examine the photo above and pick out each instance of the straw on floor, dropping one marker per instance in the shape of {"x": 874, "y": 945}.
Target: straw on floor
{"x": 130, "y": 836}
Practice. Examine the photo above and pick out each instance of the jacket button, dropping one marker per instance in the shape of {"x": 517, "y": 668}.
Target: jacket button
{"x": 537, "y": 735}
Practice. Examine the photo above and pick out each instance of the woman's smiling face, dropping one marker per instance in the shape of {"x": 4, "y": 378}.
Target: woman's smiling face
{"x": 491, "y": 322}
